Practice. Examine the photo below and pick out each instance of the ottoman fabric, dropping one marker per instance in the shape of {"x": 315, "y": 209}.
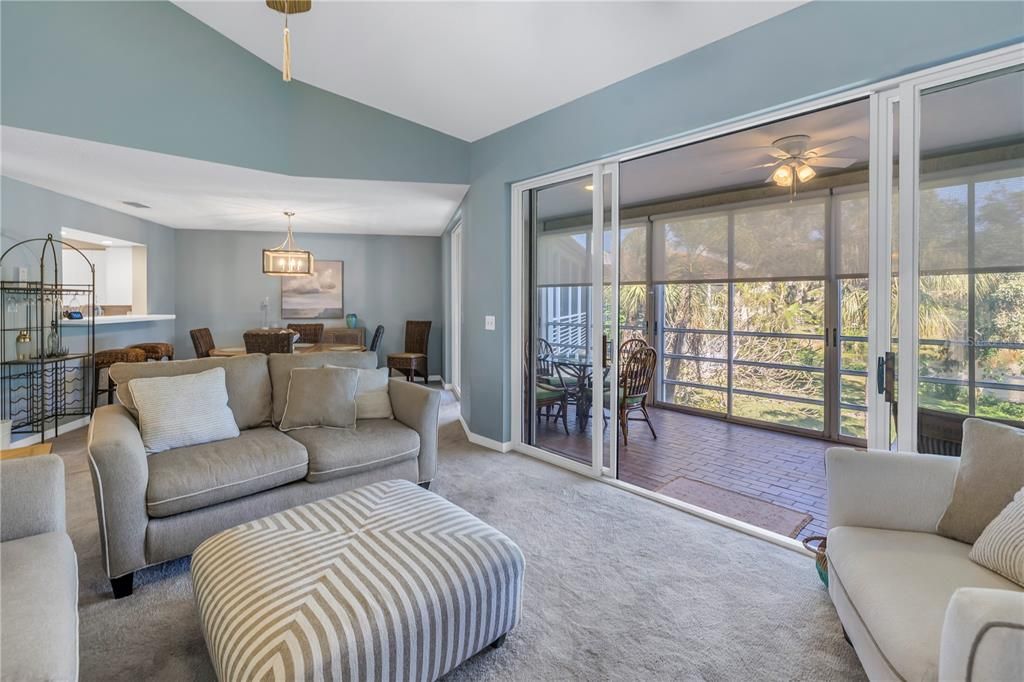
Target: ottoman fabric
{"x": 385, "y": 582}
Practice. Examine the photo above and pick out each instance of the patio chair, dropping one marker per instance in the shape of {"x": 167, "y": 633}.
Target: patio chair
{"x": 547, "y": 396}
{"x": 628, "y": 347}
{"x": 634, "y": 385}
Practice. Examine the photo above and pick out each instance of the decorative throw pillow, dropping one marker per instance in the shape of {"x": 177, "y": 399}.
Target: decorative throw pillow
{"x": 991, "y": 471}
{"x": 320, "y": 396}
{"x": 175, "y": 412}
{"x": 372, "y": 398}
{"x": 1001, "y": 545}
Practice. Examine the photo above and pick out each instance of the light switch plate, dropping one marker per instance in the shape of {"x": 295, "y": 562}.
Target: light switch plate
{"x": 489, "y": 323}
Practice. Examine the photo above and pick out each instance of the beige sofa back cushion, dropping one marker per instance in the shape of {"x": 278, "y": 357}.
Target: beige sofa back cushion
{"x": 246, "y": 378}
{"x": 991, "y": 471}
{"x": 282, "y": 364}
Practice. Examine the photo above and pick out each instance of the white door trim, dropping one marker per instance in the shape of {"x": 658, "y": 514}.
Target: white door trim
{"x": 455, "y": 333}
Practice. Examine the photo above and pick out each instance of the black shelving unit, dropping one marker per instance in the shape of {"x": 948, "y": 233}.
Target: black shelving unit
{"x": 51, "y": 382}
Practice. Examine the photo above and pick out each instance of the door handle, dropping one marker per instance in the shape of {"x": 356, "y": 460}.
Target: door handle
{"x": 885, "y": 375}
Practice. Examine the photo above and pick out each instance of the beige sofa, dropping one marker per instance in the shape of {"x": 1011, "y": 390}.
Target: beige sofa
{"x": 157, "y": 508}
{"x": 912, "y": 604}
{"x": 39, "y": 586}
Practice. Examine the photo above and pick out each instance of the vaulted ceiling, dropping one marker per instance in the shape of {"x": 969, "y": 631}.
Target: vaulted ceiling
{"x": 470, "y": 69}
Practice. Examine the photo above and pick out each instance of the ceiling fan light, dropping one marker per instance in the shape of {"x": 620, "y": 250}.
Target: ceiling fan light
{"x": 783, "y": 176}
{"x": 805, "y": 173}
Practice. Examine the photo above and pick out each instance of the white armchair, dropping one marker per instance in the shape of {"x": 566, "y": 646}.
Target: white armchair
{"x": 912, "y": 604}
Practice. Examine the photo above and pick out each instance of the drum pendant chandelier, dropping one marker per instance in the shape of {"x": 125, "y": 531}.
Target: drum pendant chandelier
{"x": 287, "y": 7}
{"x": 287, "y": 260}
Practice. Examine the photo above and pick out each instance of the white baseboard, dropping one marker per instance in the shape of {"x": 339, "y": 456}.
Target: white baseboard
{"x": 37, "y": 438}
{"x": 486, "y": 442}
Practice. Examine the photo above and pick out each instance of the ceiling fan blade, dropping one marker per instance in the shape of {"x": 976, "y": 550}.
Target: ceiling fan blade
{"x": 831, "y": 161}
{"x": 826, "y": 149}
{"x": 760, "y": 165}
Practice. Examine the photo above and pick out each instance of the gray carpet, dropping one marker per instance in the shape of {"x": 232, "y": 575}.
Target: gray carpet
{"x": 617, "y": 587}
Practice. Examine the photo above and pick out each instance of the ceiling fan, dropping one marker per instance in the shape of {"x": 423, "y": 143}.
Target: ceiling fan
{"x": 794, "y": 163}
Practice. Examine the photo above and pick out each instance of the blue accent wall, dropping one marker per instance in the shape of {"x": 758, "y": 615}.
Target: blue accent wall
{"x": 844, "y": 44}
{"x": 150, "y": 76}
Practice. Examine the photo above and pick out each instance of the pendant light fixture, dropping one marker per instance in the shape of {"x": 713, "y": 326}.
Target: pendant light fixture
{"x": 287, "y": 260}
{"x": 287, "y": 7}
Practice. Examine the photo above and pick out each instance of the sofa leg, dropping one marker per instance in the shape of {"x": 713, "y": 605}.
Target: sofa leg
{"x": 498, "y": 643}
{"x": 122, "y": 587}
{"x": 425, "y": 485}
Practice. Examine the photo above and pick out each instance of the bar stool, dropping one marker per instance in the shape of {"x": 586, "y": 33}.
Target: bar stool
{"x": 103, "y": 359}
{"x": 156, "y": 351}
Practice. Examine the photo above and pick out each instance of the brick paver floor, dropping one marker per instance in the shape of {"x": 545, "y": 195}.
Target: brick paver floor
{"x": 780, "y": 468}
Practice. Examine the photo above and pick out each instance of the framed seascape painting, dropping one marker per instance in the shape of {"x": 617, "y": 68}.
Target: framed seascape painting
{"x": 317, "y": 297}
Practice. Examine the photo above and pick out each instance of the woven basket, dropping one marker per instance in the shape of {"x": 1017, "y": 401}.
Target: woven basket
{"x": 820, "y": 561}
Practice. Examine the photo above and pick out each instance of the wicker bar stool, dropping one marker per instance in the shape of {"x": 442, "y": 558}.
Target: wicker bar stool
{"x": 103, "y": 359}
{"x": 414, "y": 360}
{"x": 156, "y": 351}
{"x": 308, "y": 333}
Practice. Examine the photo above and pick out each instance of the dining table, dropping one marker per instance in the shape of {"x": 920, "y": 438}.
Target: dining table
{"x": 231, "y": 351}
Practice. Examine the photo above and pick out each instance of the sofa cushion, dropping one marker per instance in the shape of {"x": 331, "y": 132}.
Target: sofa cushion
{"x": 335, "y": 452}
{"x": 199, "y": 476}
{"x": 1000, "y": 547}
{"x": 282, "y": 364}
{"x": 900, "y": 583}
{"x": 991, "y": 471}
{"x": 246, "y": 378}
{"x": 321, "y": 396}
{"x": 39, "y": 628}
{"x": 175, "y": 412}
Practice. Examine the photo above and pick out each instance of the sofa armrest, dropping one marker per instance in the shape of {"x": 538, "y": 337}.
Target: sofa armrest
{"x": 983, "y": 636}
{"x": 31, "y": 496}
{"x": 120, "y": 474}
{"x": 888, "y": 490}
{"x": 417, "y": 407}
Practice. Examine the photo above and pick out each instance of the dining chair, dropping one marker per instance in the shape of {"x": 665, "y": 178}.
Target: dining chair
{"x": 308, "y": 332}
{"x": 413, "y": 360}
{"x": 546, "y": 397}
{"x": 378, "y": 334}
{"x": 268, "y": 341}
{"x": 635, "y": 379}
{"x": 628, "y": 347}
{"x": 202, "y": 341}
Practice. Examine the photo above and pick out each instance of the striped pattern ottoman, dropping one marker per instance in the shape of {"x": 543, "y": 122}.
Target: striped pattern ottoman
{"x": 385, "y": 582}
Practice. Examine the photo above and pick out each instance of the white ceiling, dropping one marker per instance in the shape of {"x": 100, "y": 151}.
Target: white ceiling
{"x": 198, "y": 195}
{"x": 979, "y": 114}
{"x": 470, "y": 69}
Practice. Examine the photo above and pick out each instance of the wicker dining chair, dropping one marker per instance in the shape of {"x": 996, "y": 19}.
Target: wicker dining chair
{"x": 414, "y": 360}
{"x": 628, "y": 347}
{"x": 635, "y": 379}
{"x": 308, "y": 332}
{"x": 378, "y": 334}
{"x": 202, "y": 341}
{"x": 268, "y": 341}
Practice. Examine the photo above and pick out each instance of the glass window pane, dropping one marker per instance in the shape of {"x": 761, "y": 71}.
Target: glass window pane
{"x": 853, "y": 423}
{"x": 999, "y": 223}
{"x": 805, "y": 352}
{"x": 791, "y": 307}
{"x": 853, "y": 307}
{"x": 691, "y": 248}
{"x": 781, "y": 412}
{"x": 696, "y": 306}
{"x": 852, "y": 233}
{"x": 853, "y": 355}
{"x": 1000, "y": 404}
{"x": 943, "y": 228}
{"x": 633, "y": 253}
{"x": 698, "y": 345}
{"x": 563, "y": 257}
{"x": 703, "y": 373}
{"x": 697, "y": 398}
{"x": 786, "y": 240}
{"x": 782, "y": 382}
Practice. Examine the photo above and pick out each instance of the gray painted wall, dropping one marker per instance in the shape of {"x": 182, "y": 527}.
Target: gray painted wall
{"x": 149, "y": 75}
{"x": 849, "y": 43}
{"x": 388, "y": 280}
{"x": 29, "y": 212}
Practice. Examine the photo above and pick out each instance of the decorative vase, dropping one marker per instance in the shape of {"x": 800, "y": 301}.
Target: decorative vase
{"x": 23, "y": 345}
{"x": 351, "y": 320}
